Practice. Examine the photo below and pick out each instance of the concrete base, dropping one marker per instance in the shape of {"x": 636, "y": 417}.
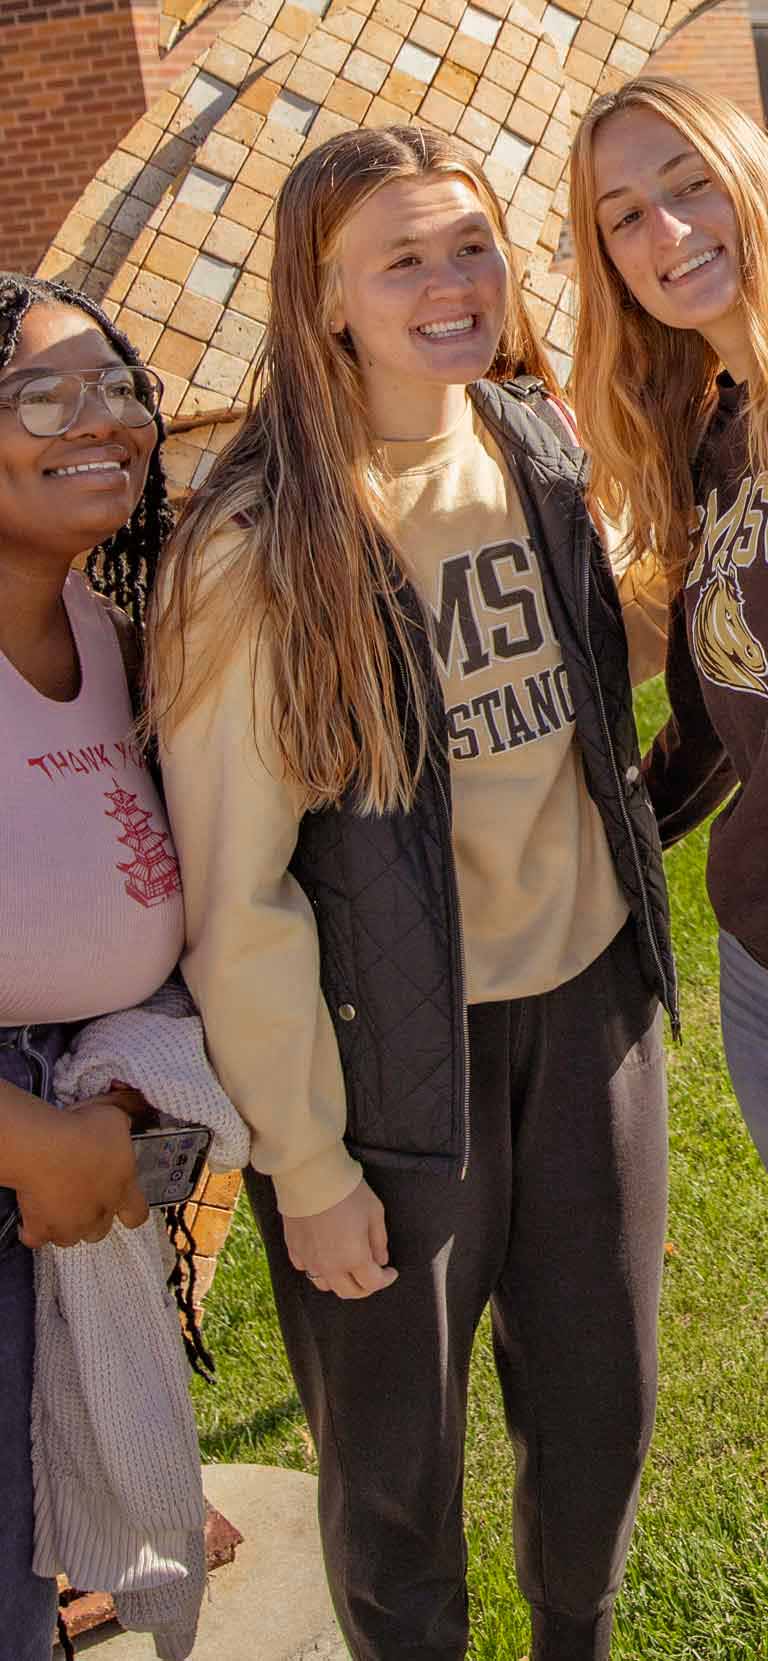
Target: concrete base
{"x": 272, "y": 1603}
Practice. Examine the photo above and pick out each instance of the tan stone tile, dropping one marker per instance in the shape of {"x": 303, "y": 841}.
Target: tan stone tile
{"x": 403, "y": 90}
{"x": 579, "y": 98}
{"x": 153, "y": 295}
{"x": 180, "y": 459}
{"x": 456, "y": 82}
{"x": 394, "y": 14}
{"x": 246, "y": 207}
{"x": 163, "y": 108}
{"x": 639, "y": 31}
{"x": 143, "y": 332}
{"x": 227, "y": 63}
{"x": 478, "y": 129}
{"x": 347, "y": 100}
{"x": 548, "y": 61}
{"x": 547, "y": 284}
{"x": 505, "y": 71}
{"x": 120, "y": 170}
{"x": 610, "y": 80}
{"x": 536, "y": 90}
{"x": 519, "y": 43}
{"x": 433, "y": 35}
{"x": 178, "y": 354}
{"x": 142, "y": 245}
{"x": 345, "y": 25}
{"x": 630, "y": 59}
{"x": 469, "y": 53}
{"x": 195, "y": 315}
{"x": 382, "y": 42}
{"x": 446, "y": 11}
{"x": 120, "y": 284}
{"x": 172, "y": 154}
{"x": 58, "y": 263}
{"x": 114, "y": 251}
{"x": 325, "y": 125}
{"x": 560, "y": 199}
{"x": 142, "y": 139}
{"x": 242, "y": 124}
{"x": 381, "y": 113}
{"x": 221, "y": 371}
{"x": 540, "y": 310}
{"x": 201, "y": 400}
{"x": 326, "y": 51}
{"x": 261, "y": 257}
{"x": 310, "y": 81}
{"x": 190, "y": 225}
{"x": 223, "y": 156}
{"x": 238, "y": 335}
{"x": 589, "y": 37}
{"x": 491, "y": 99}
{"x": 581, "y": 66}
{"x": 442, "y": 111}
{"x": 609, "y": 14}
{"x": 110, "y": 308}
{"x": 252, "y": 297}
{"x": 260, "y": 96}
{"x": 557, "y": 138}
{"x": 363, "y": 70}
{"x": 169, "y": 258}
{"x": 100, "y": 201}
{"x": 81, "y": 236}
{"x": 544, "y": 168}
{"x": 276, "y": 48}
{"x": 501, "y": 178}
{"x": 550, "y": 235}
{"x": 524, "y": 119}
{"x": 523, "y": 228}
{"x": 560, "y": 332}
{"x": 533, "y": 198}
{"x": 282, "y": 143}
{"x": 230, "y": 241}
{"x": 246, "y": 34}
{"x": 264, "y": 174}
{"x": 295, "y": 22}
{"x": 222, "y": 431}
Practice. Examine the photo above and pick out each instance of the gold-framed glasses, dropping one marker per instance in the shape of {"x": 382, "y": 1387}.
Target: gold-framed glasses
{"x": 48, "y": 404}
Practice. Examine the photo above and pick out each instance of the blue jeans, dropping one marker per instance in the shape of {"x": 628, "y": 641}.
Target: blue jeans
{"x": 27, "y": 1603}
{"x": 744, "y": 1016}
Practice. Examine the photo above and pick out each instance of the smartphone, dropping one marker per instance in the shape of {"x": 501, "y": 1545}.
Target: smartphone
{"x": 169, "y": 1162}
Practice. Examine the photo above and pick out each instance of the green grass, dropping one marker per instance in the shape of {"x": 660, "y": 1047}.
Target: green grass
{"x": 697, "y": 1581}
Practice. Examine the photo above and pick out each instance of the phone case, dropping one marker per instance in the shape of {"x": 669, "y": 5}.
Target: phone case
{"x": 169, "y": 1162}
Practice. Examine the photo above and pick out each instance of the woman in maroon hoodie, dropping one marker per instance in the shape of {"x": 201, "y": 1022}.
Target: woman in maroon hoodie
{"x": 670, "y": 223}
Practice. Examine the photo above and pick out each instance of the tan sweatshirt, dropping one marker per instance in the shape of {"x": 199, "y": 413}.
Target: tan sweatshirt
{"x": 251, "y": 957}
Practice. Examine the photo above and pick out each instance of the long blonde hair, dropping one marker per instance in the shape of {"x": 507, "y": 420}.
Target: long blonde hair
{"x": 314, "y": 559}
{"x": 644, "y": 391}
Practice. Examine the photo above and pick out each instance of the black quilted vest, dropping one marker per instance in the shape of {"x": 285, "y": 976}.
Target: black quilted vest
{"x": 384, "y": 889}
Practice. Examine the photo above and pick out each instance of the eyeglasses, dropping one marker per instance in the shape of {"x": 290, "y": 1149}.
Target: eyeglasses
{"x": 48, "y": 405}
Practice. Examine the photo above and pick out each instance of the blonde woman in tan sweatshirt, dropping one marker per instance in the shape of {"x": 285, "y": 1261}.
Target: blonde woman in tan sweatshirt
{"x": 426, "y": 919}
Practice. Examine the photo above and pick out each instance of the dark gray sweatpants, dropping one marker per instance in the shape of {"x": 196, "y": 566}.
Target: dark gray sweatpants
{"x": 560, "y": 1224}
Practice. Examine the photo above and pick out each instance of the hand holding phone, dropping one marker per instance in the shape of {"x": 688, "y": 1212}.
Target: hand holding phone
{"x": 169, "y": 1161}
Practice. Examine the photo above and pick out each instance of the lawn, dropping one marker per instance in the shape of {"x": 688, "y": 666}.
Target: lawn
{"x": 697, "y": 1582}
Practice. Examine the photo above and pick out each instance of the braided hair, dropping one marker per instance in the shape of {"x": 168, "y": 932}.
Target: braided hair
{"x": 123, "y": 567}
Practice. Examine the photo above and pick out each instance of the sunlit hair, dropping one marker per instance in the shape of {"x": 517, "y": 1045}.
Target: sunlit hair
{"x": 301, "y": 478}
{"x": 642, "y": 390}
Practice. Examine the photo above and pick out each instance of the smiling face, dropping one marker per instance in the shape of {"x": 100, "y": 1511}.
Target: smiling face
{"x": 62, "y": 496}
{"x": 668, "y": 226}
{"x": 423, "y": 295}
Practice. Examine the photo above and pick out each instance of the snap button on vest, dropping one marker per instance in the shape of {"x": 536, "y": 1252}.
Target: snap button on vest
{"x": 347, "y": 1012}
{"x": 632, "y": 775}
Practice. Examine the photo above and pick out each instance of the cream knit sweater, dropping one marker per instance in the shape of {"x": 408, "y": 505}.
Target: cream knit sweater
{"x": 118, "y": 1492}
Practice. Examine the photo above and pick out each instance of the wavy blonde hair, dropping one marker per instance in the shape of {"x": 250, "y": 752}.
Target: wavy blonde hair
{"x": 315, "y": 558}
{"x": 644, "y": 391}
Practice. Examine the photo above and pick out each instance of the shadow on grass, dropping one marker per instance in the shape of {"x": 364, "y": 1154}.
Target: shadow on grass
{"x": 269, "y": 1419}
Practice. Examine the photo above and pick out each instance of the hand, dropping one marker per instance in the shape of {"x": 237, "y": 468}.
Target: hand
{"x": 343, "y": 1249}
{"x": 86, "y": 1175}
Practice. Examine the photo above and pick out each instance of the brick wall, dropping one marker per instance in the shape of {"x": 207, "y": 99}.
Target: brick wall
{"x": 74, "y": 77}
{"x": 715, "y": 53}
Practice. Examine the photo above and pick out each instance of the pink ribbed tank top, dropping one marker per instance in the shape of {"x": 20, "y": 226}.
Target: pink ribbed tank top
{"x": 91, "y": 910}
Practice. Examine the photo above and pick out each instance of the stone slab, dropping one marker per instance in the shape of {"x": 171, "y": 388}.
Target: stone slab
{"x": 271, "y": 1603}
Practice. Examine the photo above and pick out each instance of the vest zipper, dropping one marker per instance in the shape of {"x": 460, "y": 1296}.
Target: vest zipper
{"x": 459, "y": 935}
{"x": 670, "y": 992}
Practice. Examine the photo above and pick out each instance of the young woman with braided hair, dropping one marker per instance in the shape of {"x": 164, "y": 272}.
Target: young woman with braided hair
{"x": 79, "y": 475}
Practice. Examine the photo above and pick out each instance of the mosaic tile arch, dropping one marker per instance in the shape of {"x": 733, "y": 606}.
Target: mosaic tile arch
{"x": 174, "y": 233}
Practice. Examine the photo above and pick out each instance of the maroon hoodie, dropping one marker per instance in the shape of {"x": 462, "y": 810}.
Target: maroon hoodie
{"x": 717, "y": 681}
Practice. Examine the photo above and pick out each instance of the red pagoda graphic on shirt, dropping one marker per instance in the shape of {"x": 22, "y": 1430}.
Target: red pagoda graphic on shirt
{"x": 153, "y": 873}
